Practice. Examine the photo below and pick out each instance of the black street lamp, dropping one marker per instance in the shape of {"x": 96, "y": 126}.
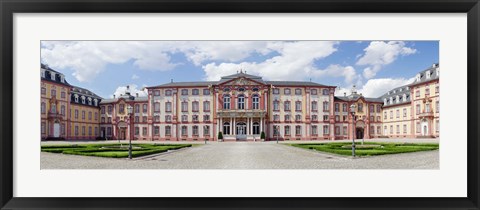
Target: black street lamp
{"x": 352, "y": 111}
{"x": 130, "y": 117}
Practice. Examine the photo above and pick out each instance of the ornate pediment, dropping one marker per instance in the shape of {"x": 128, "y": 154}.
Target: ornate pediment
{"x": 241, "y": 81}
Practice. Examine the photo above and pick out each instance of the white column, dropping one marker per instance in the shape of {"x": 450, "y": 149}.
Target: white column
{"x": 234, "y": 127}
{"x": 231, "y": 126}
{"x": 251, "y": 126}
{"x": 261, "y": 124}
{"x": 220, "y": 126}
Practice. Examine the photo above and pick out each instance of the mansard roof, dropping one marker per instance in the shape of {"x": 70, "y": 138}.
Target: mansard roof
{"x": 390, "y": 98}
{"x": 126, "y": 97}
{"x": 422, "y": 76}
{"x": 355, "y": 97}
{"x": 241, "y": 74}
{"x": 186, "y": 84}
{"x": 48, "y": 77}
{"x": 294, "y": 83}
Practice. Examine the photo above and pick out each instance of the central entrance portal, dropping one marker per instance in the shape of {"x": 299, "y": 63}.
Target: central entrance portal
{"x": 241, "y": 131}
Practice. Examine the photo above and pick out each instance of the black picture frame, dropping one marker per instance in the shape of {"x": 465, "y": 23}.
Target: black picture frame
{"x": 10, "y": 7}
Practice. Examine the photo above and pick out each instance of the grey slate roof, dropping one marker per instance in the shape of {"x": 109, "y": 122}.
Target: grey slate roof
{"x": 182, "y": 84}
{"x": 354, "y": 97}
{"x": 391, "y": 96}
{"x": 293, "y": 83}
{"x": 241, "y": 74}
{"x": 85, "y": 92}
{"x": 422, "y": 76}
{"x": 48, "y": 77}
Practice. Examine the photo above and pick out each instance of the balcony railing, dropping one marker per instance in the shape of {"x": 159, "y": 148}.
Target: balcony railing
{"x": 426, "y": 114}
{"x": 241, "y": 113}
{"x": 53, "y": 115}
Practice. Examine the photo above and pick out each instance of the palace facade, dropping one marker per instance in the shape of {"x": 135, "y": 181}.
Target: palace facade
{"x": 240, "y": 107}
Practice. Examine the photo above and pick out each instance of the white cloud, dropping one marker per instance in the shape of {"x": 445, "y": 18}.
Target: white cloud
{"x": 294, "y": 62}
{"x": 376, "y": 87}
{"x": 133, "y": 89}
{"x": 134, "y": 77}
{"x": 379, "y": 54}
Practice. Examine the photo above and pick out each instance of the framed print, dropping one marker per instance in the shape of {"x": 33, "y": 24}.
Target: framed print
{"x": 239, "y": 105}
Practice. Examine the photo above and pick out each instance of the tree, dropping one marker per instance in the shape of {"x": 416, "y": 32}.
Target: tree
{"x": 220, "y": 135}
{"x": 262, "y": 135}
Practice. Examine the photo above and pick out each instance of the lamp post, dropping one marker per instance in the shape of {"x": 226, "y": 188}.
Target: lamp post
{"x": 204, "y": 128}
{"x": 130, "y": 117}
{"x": 352, "y": 111}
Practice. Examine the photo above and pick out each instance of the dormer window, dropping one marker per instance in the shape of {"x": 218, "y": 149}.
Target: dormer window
{"x": 384, "y": 101}
{"x": 437, "y": 71}
{"x": 95, "y": 101}
{"x": 398, "y": 99}
{"x": 89, "y": 101}
{"x": 62, "y": 79}
{"x": 52, "y": 75}
{"x": 391, "y": 100}
{"x": 418, "y": 78}
{"x": 76, "y": 98}
{"x": 428, "y": 74}
{"x": 404, "y": 97}
{"x": 42, "y": 73}
{"x": 83, "y": 99}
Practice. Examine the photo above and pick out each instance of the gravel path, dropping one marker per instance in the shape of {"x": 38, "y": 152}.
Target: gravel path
{"x": 245, "y": 155}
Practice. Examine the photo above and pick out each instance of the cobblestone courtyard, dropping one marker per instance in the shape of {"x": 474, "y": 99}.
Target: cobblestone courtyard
{"x": 246, "y": 155}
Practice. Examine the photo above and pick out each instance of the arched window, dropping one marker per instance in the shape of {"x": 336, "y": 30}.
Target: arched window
{"x": 256, "y": 128}
{"x": 226, "y": 128}
{"x": 255, "y": 102}
{"x": 54, "y": 108}
{"x": 226, "y": 102}
{"x": 241, "y": 102}
{"x": 43, "y": 108}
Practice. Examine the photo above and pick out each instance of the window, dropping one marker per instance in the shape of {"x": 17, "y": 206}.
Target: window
{"x": 418, "y": 127}
{"x": 298, "y": 91}
{"x": 109, "y": 119}
{"x": 314, "y": 118}
{"x": 298, "y": 117}
{"x": 417, "y": 93}
{"x": 325, "y": 106}
{"x": 379, "y": 109}
{"x": 427, "y": 92}
{"x": 344, "y": 130}
{"x": 298, "y": 130}
{"x": 62, "y": 94}
{"x": 206, "y": 106}
{"x": 184, "y": 130}
{"x": 168, "y": 118}
{"x": 195, "y": 118}
{"x": 437, "y": 126}
{"x": 184, "y": 106}
{"x": 168, "y": 106}
{"x": 276, "y": 118}
{"x": 360, "y": 107}
{"x": 417, "y": 108}
{"x": 121, "y": 108}
{"x": 371, "y": 109}
{"x": 206, "y": 118}
{"x": 437, "y": 106}
{"x": 391, "y": 129}
{"x": 43, "y": 128}
{"x": 206, "y": 130}
{"x": 76, "y": 130}
{"x": 404, "y": 112}
{"x": 337, "y": 130}
{"x": 83, "y": 130}
{"x": 404, "y": 128}
{"x": 156, "y": 130}
{"x": 337, "y": 107}
{"x": 344, "y": 118}
{"x": 255, "y": 102}
{"x": 144, "y": 108}
{"x": 286, "y": 106}
{"x": 256, "y": 128}
{"x": 314, "y": 92}
{"x": 144, "y": 119}
{"x": 325, "y": 130}
{"x": 427, "y": 108}
{"x": 379, "y": 130}
{"x": 287, "y": 118}
{"x": 398, "y": 113}
{"x": 286, "y": 130}
{"x": 195, "y": 92}
{"x": 437, "y": 88}
{"x": 156, "y": 92}
{"x": 391, "y": 114}
{"x": 314, "y": 106}
{"x": 156, "y": 118}
{"x": 53, "y": 93}
{"x": 102, "y": 120}
{"x": 184, "y": 118}
{"x": 109, "y": 131}
{"x": 287, "y": 91}
{"x": 184, "y": 92}
{"x": 241, "y": 102}
{"x": 206, "y": 92}
{"x": 144, "y": 131}
{"x": 168, "y": 92}
{"x": 298, "y": 106}
{"x": 325, "y": 91}
{"x": 83, "y": 115}
{"x": 344, "y": 107}
{"x": 398, "y": 129}
{"x": 195, "y": 130}
{"x": 337, "y": 118}
{"x": 378, "y": 118}
{"x": 156, "y": 107}
{"x": 276, "y": 105}
{"x": 110, "y": 109}
{"x": 44, "y": 91}
{"x": 43, "y": 107}
{"x": 226, "y": 128}
{"x": 137, "y": 108}
{"x": 102, "y": 109}
{"x": 195, "y": 106}
{"x": 168, "y": 130}
{"x": 325, "y": 117}
{"x": 276, "y": 91}
{"x": 372, "y": 118}
{"x": 76, "y": 114}
{"x": 137, "y": 119}
{"x": 372, "y": 130}
{"x": 89, "y": 115}
{"x": 226, "y": 102}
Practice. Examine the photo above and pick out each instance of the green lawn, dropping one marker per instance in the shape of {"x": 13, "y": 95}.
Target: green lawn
{"x": 369, "y": 148}
{"x": 112, "y": 150}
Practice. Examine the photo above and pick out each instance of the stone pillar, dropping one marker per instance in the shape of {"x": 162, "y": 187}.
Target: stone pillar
{"x": 231, "y": 126}
{"x": 234, "y": 127}
{"x": 261, "y": 124}
{"x": 251, "y": 126}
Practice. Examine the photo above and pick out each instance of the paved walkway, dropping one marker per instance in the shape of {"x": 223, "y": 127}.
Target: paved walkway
{"x": 244, "y": 155}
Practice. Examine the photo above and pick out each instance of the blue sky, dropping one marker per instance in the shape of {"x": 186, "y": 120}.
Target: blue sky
{"x": 106, "y": 67}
